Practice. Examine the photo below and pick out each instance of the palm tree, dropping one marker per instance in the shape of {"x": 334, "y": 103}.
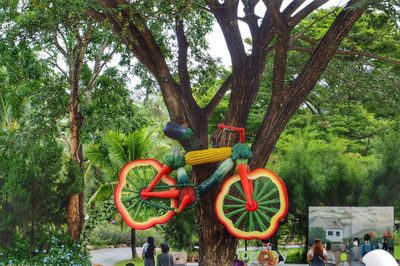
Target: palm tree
{"x": 8, "y": 121}
{"x": 109, "y": 157}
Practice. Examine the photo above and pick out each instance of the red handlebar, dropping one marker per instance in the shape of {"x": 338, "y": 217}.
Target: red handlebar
{"x": 240, "y": 130}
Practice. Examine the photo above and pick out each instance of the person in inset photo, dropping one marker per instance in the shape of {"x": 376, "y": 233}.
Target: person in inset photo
{"x": 317, "y": 256}
{"x": 367, "y": 246}
{"x": 331, "y": 255}
{"x": 355, "y": 253}
{"x": 385, "y": 240}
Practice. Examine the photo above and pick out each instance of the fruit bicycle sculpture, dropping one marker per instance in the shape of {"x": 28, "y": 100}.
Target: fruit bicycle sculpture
{"x": 250, "y": 204}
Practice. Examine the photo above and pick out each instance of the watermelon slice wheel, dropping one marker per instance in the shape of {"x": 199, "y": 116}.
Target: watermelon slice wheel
{"x": 138, "y": 172}
{"x": 272, "y": 199}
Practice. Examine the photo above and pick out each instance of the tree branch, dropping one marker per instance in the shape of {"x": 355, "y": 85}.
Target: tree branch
{"x": 99, "y": 67}
{"x": 59, "y": 47}
{"x": 303, "y": 13}
{"x": 280, "y": 110}
{"x": 325, "y": 50}
{"x": 226, "y": 15}
{"x": 182, "y": 55}
{"x": 209, "y": 109}
{"x": 134, "y": 32}
{"x": 99, "y": 17}
{"x": 277, "y": 17}
{"x": 263, "y": 38}
{"x": 292, "y": 7}
{"x": 250, "y": 18}
{"x": 281, "y": 52}
{"x": 349, "y": 53}
{"x": 53, "y": 62}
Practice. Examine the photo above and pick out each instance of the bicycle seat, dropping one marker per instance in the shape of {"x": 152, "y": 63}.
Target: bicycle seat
{"x": 175, "y": 131}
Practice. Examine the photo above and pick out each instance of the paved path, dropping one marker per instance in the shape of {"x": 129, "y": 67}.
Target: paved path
{"x": 109, "y": 256}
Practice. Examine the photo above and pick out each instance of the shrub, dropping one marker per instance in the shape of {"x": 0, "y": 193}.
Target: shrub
{"x": 105, "y": 235}
{"x": 55, "y": 248}
{"x": 296, "y": 257}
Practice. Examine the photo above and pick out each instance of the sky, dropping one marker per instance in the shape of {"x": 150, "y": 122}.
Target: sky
{"x": 216, "y": 40}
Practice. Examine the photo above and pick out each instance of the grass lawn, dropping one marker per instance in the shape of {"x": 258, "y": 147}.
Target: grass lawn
{"x": 137, "y": 262}
{"x": 293, "y": 250}
{"x": 397, "y": 252}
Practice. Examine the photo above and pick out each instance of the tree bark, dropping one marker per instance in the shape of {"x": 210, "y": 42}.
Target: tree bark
{"x": 75, "y": 213}
{"x": 217, "y": 246}
{"x": 75, "y": 205}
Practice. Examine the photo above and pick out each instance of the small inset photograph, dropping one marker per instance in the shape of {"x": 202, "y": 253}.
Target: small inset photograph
{"x": 349, "y": 233}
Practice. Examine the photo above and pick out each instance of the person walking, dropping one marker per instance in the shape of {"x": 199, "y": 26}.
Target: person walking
{"x": 148, "y": 252}
{"x": 317, "y": 256}
{"x": 165, "y": 259}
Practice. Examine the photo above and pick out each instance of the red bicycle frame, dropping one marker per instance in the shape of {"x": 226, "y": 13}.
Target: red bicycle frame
{"x": 240, "y": 130}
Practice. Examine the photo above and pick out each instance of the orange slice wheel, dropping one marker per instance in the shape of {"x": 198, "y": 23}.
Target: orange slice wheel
{"x": 270, "y": 194}
{"x": 137, "y": 212}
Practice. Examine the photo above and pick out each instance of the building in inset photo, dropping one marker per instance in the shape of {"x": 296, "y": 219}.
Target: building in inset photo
{"x": 334, "y": 230}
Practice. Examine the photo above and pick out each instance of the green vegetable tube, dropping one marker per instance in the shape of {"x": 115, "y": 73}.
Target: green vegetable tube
{"x": 182, "y": 176}
{"x": 217, "y": 176}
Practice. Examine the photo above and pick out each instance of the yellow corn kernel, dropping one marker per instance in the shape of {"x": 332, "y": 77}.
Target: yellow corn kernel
{"x": 208, "y": 156}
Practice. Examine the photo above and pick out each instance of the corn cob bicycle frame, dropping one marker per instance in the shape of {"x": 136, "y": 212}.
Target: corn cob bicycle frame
{"x": 250, "y": 204}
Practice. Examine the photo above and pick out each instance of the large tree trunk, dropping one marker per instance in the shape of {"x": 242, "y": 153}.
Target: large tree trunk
{"x": 217, "y": 246}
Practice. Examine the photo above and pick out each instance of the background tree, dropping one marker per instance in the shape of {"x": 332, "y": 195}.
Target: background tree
{"x": 380, "y": 189}
{"x": 79, "y": 51}
{"x": 31, "y": 169}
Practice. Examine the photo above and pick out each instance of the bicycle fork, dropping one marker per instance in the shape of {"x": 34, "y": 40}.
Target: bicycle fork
{"x": 247, "y": 184}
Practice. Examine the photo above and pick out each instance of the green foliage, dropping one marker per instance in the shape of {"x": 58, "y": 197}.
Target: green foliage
{"x": 384, "y": 183}
{"x": 353, "y": 80}
{"x": 318, "y": 171}
{"x": 30, "y": 183}
{"x": 179, "y": 231}
{"x": 136, "y": 262}
{"x": 106, "y": 234}
{"x": 29, "y": 88}
{"x": 110, "y": 107}
{"x": 316, "y": 232}
{"x": 108, "y": 157}
{"x": 31, "y": 178}
{"x": 74, "y": 178}
{"x": 54, "y": 247}
{"x": 296, "y": 257}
